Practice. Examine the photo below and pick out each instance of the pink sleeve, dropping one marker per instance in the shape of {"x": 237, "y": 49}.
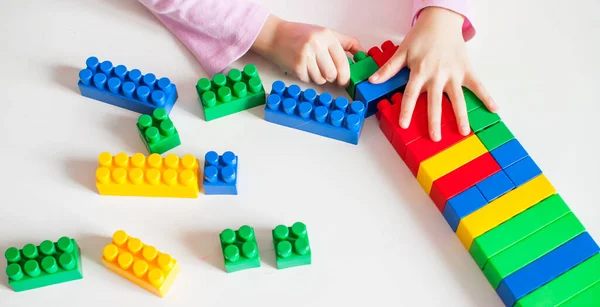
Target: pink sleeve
{"x": 217, "y": 32}
{"x": 459, "y": 6}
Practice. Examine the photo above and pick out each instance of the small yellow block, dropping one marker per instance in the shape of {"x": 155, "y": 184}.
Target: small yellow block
{"x": 504, "y": 208}
{"x": 140, "y": 263}
{"x": 449, "y": 160}
{"x": 152, "y": 176}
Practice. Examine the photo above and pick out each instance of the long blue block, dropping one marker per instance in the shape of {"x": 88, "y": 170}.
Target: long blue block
{"x": 523, "y": 171}
{"x": 128, "y": 89}
{"x": 546, "y": 268}
{"x": 318, "y": 114}
{"x": 220, "y": 173}
{"x": 509, "y": 153}
{"x": 495, "y": 186}
{"x": 370, "y": 94}
{"x": 462, "y": 205}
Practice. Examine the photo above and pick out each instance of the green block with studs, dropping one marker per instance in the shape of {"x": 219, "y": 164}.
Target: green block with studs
{"x": 158, "y": 132}
{"x": 292, "y": 247}
{"x": 47, "y": 264}
{"x": 360, "y": 70}
{"x": 226, "y": 95}
{"x": 240, "y": 250}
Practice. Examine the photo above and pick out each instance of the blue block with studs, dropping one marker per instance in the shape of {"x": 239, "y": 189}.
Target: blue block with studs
{"x": 220, "y": 173}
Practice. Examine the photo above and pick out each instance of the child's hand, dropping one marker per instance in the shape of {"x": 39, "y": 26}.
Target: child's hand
{"x": 434, "y": 50}
{"x": 310, "y": 52}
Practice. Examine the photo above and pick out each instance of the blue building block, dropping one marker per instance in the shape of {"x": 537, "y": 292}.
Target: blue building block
{"x": 220, "y": 173}
{"x": 523, "y": 171}
{"x": 509, "y": 153}
{"x": 128, "y": 89}
{"x": 495, "y": 186}
{"x": 546, "y": 268}
{"x": 318, "y": 114}
{"x": 370, "y": 94}
{"x": 462, "y": 205}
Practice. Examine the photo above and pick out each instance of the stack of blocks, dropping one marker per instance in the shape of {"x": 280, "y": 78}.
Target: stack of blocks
{"x": 530, "y": 246}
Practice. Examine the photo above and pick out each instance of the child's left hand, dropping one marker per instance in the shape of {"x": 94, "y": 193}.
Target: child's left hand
{"x": 435, "y": 52}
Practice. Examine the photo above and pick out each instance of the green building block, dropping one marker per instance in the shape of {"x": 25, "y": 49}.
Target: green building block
{"x": 292, "y": 247}
{"x": 471, "y": 100}
{"x": 531, "y": 248}
{"x": 360, "y": 70}
{"x": 226, "y": 95}
{"x": 518, "y": 228}
{"x": 495, "y": 136}
{"x": 565, "y": 286}
{"x": 158, "y": 132}
{"x": 482, "y": 118}
{"x": 44, "y": 265}
{"x": 589, "y": 297}
{"x": 240, "y": 250}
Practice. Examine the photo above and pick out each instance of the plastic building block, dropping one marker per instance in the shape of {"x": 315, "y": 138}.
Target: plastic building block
{"x": 419, "y": 128}
{"x": 548, "y": 267}
{"x": 291, "y": 244}
{"x": 503, "y": 208}
{"x": 128, "y": 89}
{"x": 462, "y": 205}
{"x": 47, "y": 264}
{"x": 518, "y": 228}
{"x": 370, "y": 94}
{"x": 384, "y": 54}
{"x": 158, "y": 132}
{"x": 509, "y": 153}
{"x": 318, "y": 114}
{"x": 152, "y": 176}
{"x": 226, "y": 95}
{"x": 522, "y": 171}
{"x": 587, "y": 297}
{"x": 360, "y": 70}
{"x": 495, "y": 136}
{"x": 532, "y": 248}
{"x": 565, "y": 286}
{"x": 495, "y": 186}
{"x": 386, "y": 114}
{"x": 449, "y": 160}
{"x": 240, "y": 250}
{"x": 482, "y": 118}
{"x": 462, "y": 178}
{"x": 471, "y": 100}
{"x": 220, "y": 173}
{"x": 140, "y": 263}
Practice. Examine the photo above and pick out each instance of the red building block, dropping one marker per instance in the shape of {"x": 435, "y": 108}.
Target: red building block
{"x": 385, "y": 114}
{"x": 384, "y": 54}
{"x": 462, "y": 178}
{"x": 401, "y": 138}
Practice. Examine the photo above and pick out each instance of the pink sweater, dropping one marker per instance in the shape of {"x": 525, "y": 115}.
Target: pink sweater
{"x": 218, "y": 32}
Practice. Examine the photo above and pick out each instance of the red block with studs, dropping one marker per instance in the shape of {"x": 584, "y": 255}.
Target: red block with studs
{"x": 384, "y": 54}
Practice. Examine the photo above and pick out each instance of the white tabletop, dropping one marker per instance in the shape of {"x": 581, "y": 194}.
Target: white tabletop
{"x": 377, "y": 239}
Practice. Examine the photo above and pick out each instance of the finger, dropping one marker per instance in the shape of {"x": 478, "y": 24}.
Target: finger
{"x": 390, "y": 68}
{"x": 348, "y": 43}
{"x": 459, "y": 106}
{"x": 314, "y": 72}
{"x": 338, "y": 55}
{"x": 474, "y": 84}
{"x": 326, "y": 66}
{"x": 301, "y": 71}
{"x": 409, "y": 99}
{"x": 434, "y": 108}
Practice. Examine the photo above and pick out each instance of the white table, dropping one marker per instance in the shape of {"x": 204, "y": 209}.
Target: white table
{"x": 377, "y": 239}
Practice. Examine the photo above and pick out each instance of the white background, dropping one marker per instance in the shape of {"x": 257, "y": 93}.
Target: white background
{"x": 377, "y": 239}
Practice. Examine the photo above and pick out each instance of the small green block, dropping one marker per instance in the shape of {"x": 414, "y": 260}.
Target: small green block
{"x": 531, "y": 248}
{"x": 226, "y": 95}
{"x": 44, "y": 265}
{"x": 362, "y": 68}
{"x": 518, "y": 228}
{"x": 565, "y": 286}
{"x": 589, "y": 297}
{"x": 495, "y": 136}
{"x": 471, "y": 100}
{"x": 158, "y": 132}
{"x": 240, "y": 250}
{"x": 292, "y": 247}
{"x": 482, "y": 118}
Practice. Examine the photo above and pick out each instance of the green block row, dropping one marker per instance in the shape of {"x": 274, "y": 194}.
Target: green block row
{"x": 158, "y": 132}
{"x": 588, "y": 297}
{"x": 360, "y": 70}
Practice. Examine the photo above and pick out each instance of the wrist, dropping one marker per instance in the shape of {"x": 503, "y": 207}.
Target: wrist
{"x": 266, "y": 38}
{"x": 435, "y": 15}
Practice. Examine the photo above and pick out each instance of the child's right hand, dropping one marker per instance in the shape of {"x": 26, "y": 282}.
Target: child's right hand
{"x": 311, "y": 52}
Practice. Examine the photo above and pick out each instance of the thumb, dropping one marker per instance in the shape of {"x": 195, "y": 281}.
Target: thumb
{"x": 390, "y": 68}
{"x": 349, "y": 43}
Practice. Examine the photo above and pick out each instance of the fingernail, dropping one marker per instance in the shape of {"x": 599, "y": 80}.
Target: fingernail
{"x": 464, "y": 129}
{"x": 374, "y": 77}
{"x": 435, "y": 136}
{"x": 404, "y": 123}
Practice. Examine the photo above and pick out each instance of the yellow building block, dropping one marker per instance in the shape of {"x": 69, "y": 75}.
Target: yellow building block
{"x": 504, "y": 208}
{"x": 152, "y": 176}
{"x": 449, "y": 160}
{"x": 140, "y": 263}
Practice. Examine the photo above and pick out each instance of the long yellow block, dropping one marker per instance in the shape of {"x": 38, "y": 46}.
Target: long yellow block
{"x": 449, "y": 160}
{"x": 504, "y": 208}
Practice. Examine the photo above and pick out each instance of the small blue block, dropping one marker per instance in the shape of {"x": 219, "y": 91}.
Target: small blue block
{"x": 495, "y": 186}
{"x": 523, "y": 171}
{"x": 128, "y": 89}
{"x": 370, "y": 94}
{"x": 220, "y": 173}
{"x": 319, "y": 114}
{"x": 509, "y": 153}
{"x": 546, "y": 268}
{"x": 462, "y": 205}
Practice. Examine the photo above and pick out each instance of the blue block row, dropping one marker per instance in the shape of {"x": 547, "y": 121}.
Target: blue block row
{"x": 495, "y": 186}
{"x": 319, "y": 114}
{"x": 462, "y": 205}
{"x": 220, "y": 173}
{"x": 128, "y": 89}
{"x": 370, "y": 94}
{"x": 546, "y": 268}
{"x": 523, "y": 171}
{"x": 509, "y": 153}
